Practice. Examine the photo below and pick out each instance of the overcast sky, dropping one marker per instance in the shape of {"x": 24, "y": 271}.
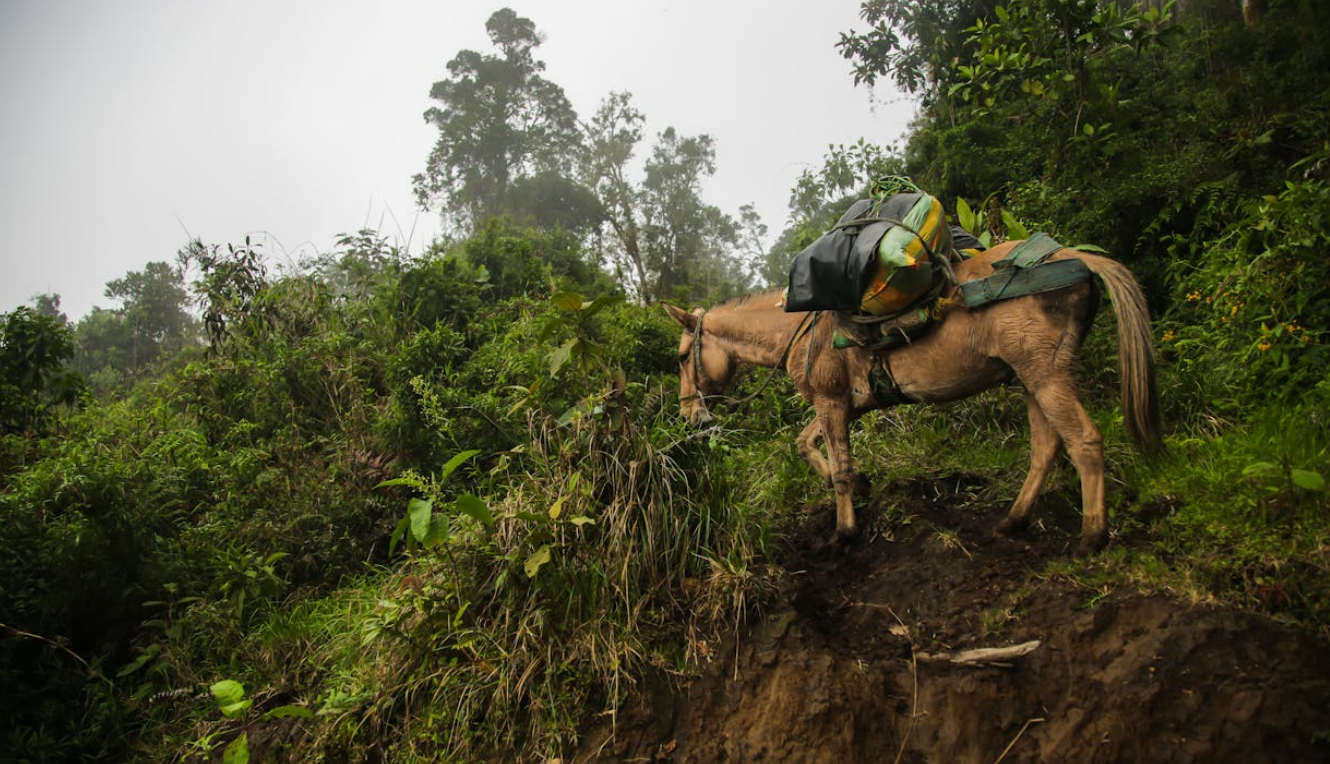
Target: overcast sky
{"x": 127, "y": 128}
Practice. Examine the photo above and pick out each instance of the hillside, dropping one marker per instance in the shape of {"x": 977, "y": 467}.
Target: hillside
{"x": 861, "y": 659}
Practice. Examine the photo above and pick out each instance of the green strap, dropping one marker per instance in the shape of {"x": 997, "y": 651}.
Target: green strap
{"x": 1017, "y": 282}
{"x": 1029, "y": 253}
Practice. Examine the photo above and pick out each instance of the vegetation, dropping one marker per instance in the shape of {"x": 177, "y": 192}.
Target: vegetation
{"x": 439, "y": 507}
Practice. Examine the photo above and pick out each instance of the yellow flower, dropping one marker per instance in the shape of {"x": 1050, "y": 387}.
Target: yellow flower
{"x": 1169, "y": 336}
{"x": 1193, "y": 296}
{"x": 1264, "y": 346}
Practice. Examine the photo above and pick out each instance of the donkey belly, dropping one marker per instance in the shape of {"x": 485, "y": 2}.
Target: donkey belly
{"x": 959, "y": 359}
{"x": 931, "y": 380}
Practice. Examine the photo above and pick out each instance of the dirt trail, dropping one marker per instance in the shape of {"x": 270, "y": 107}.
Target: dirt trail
{"x": 851, "y": 665}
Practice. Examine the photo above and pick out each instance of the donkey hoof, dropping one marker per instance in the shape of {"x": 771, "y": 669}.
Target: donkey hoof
{"x": 1091, "y": 544}
{"x": 859, "y": 486}
{"x": 1011, "y": 526}
{"x": 843, "y": 537}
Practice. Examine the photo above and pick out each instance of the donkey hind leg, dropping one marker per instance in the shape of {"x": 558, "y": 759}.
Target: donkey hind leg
{"x": 836, "y": 434}
{"x": 1086, "y": 447}
{"x": 809, "y": 443}
{"x": 1044, "y": 444}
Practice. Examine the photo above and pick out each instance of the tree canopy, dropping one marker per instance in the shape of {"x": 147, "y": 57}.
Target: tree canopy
{"x": 499, "y": 121}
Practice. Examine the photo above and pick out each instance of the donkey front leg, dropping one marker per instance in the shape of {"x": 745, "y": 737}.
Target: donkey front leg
{"x": 836, "y": 434}
{"x": 809, "y": 443}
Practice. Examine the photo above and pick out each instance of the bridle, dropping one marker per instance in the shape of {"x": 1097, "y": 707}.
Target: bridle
{"x": 700, "y": 376}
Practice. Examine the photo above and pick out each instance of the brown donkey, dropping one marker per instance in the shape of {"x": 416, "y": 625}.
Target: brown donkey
{"x": 1036, "y": 337}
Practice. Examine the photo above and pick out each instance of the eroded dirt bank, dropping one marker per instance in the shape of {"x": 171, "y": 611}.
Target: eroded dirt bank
{"x": 853, "y": 664}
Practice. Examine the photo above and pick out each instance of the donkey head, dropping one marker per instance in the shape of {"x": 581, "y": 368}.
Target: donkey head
{"x": 705, "y": 367}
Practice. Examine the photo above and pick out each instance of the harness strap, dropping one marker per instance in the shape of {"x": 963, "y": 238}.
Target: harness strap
{"x": 883, "y": 382}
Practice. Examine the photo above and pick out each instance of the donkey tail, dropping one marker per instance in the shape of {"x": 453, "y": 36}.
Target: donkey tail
{"x": 1136, "y": 360}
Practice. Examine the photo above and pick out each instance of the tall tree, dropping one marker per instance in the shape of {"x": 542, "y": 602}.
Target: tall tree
{"x": 667, "y": 241}
{"x": 499, "y": 121}
{"x": 48, "y": 304}
{"x": 153, "y": 305}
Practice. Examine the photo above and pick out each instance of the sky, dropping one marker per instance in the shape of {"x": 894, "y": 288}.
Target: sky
{"x": 128, "y": 128}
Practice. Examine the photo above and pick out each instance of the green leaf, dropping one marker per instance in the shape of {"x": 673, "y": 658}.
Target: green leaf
{"x": 1260, "y": 469}
{"x": 238, "y": 751}
{"x": 455, "y": 462}
{"x": 1308, "y": 480}
{"x": 284, "y": 712}
{"x": 560, "y": 357}
{"x": 965, "y": 215}
{"x": 141, "y": 661}
{"x": 581, "y": 520}
{"x": 236, "y": 710}
{"x": 474, "y": 507}
{"x": 568, "y": 302}
{"x": 438, "y": 531}
{"x": 602, "y": 302}
{"x": 536, "y": 560}
{"x": 398, "y": 532}
{"x": 396, "y": 481}
{"x": 228, "y": 691}
{"x": 557, "y": 508}
{"x": 420, "y": 511}
{"x": 1095, "y": 248}
{"x": 1015, "y": 230}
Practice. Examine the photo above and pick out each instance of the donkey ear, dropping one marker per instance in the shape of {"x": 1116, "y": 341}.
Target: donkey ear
{"x": 687, "y": 320}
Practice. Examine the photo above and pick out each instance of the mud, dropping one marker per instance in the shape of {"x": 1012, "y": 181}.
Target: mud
{"x": 853, "y": 664}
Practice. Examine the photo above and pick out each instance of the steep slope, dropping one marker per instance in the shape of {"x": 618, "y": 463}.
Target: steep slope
{"x": 862, "y": 659}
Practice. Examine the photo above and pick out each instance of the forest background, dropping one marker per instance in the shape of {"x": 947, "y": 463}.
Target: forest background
{"x": 386, "y": 507}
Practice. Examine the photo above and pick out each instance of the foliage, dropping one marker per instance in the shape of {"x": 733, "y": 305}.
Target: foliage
{"x": 441, "y": 507}
{"x": 913, "y": 42}
{"x": 34, "y": 349}
{"x": 228, "y": 284}
{"x": 114, "y": 347}
{"x": 154, "y": 309}
{"x": 1242, "y": 512}
{"x": 667, "y": 242}
{"x": 1254, "y": 306}
{"x": 499, "y": 121}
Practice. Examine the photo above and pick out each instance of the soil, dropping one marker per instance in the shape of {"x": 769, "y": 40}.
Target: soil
{"x": 854, "y": 660}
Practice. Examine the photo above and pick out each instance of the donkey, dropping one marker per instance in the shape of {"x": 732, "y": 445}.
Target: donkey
{"x": 969, "y": 350}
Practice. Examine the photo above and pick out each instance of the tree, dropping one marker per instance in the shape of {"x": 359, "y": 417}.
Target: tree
{"x": 499, "y": 121}
{"x": 49, "y": 305}
{"x": 913, "y": 41}
{"x": 34, "y": 349}
{"x": 611, "y": 140}
{"x": 228, "y": 285}
{"x": 153, "y": 306}
{"x": 667, "y": 242}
